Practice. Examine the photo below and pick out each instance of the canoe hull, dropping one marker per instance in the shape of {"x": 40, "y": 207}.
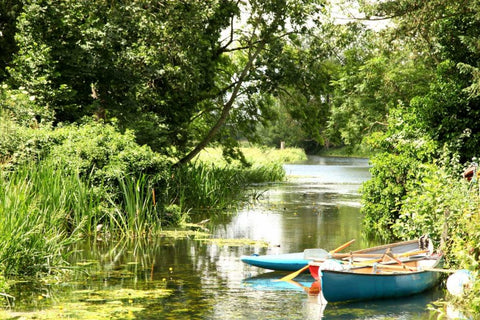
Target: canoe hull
{"x": 386, "y": 279}
{"x": 280, "y": 262}
{"x": 344, "y": 286}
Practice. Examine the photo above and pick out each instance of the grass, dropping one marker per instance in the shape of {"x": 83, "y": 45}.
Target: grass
{"x": 135, "y": 213}
{"x": 36, "y": 202}
{"x": 45, "y": 207}
{"x": 261, "y": 156}
{"x": 212, "y": 182}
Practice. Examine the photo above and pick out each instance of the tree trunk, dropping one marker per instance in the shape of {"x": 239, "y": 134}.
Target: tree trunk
{"x": 225, "y": 110}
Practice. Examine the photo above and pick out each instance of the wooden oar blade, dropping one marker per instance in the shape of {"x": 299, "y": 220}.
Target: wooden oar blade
{"x": 293, "y": 275}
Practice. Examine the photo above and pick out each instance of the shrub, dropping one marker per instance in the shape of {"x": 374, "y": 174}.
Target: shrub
{"x": 393, "y": 177}
{"x": 101, "y": 150}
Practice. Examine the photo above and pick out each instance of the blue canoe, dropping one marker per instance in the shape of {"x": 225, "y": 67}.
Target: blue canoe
{"x": 348, "y": 286}
{"x": 279, "y": 262}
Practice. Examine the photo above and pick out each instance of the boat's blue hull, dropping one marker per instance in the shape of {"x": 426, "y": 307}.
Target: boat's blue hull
{"x": 279, "y": 262}
{"x": 345, "y": 286}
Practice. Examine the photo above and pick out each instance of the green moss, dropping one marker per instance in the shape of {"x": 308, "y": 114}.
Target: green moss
{"x": 96, "y": 305}
{"x": 236, "y": 242}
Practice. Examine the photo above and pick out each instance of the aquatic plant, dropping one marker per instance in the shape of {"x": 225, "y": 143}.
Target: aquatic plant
{"x": 134, "y": 210}
{"x": 207, "y": 185}
{"x": 36, "y": 206}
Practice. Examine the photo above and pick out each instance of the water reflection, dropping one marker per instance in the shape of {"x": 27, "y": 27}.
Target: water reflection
{"x": 318, "y": 207}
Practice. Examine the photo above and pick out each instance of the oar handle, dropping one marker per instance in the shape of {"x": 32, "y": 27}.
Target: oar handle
{"x": 343, "y": 246}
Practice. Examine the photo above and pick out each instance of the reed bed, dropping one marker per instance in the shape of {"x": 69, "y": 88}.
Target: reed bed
{"x": 135, "y": 211}
{"x": 212, "y": 182}
{"x": 44, "y": 206}
{"x": 36, "y": 208}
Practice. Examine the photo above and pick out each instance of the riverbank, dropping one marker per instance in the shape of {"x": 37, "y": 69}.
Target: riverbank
{"x": 201, "y": 276}
{"x": 346, "y": 152}
{"x": 61, "y": 185}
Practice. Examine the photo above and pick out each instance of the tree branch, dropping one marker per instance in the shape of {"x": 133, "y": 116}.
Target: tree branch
{"x": 226, "y": 108}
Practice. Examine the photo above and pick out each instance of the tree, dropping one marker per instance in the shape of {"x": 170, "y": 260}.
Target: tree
{"x": 439, "y": 122}
{"x": 9, "y": 10}
{"x": 174, "y": 71}
{"x": 268, "y": 23}
{"x": 444, "y": 34}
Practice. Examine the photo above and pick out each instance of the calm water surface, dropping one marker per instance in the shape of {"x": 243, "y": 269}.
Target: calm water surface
{"x": 317, "y": 207}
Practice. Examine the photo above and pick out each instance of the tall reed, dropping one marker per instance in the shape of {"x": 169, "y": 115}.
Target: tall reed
{"x": 206, "y": 185}
{"x": 38, "y": 205}
{"x": 134, "y": 208}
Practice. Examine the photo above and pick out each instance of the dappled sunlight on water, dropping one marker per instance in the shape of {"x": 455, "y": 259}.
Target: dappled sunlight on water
{"x": 195, "y": 278}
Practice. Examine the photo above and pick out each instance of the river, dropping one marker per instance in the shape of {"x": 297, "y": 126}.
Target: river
{"x": 317, "y": 207}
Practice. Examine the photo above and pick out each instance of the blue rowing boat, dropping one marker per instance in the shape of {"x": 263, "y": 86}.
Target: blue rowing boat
{"x": 386, "y": 279}
{"x": 353, "y": 285}
{"x": 278, "y": 262}
{"x": 298, "y": 260}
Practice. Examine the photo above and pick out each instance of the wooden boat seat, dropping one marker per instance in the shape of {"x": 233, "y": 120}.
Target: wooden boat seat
{"x": 389, "y": 268}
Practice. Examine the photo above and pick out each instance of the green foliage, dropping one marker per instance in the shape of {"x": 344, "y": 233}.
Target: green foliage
{"x": 116, "y": 59}
{"x": 166, "y": 71}
{"x": 202, "y": 184}
{"x": 134, "y": 210}
{"x": 37, "y": 203}
{"x": 436, "y": 207}
{"x": 446, "y": 207}
{"x": 437, "y": 129}
{"x": 100, "y": 150}
{"x": 9, "y": 10}
{"x": 447, "y": 113}
{"x": 20, "y": 144}
{"x": 393, "y": 176}
{"x": 23, "y": 108}
{"x": 407, "y": 150}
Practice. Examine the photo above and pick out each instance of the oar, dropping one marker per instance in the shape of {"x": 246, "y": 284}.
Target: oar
{"x": 399, "y": 255}
{"x": 400, "y": 262}
{"x": 296, "y": 273}
{"x": 409, "y": 269}
{"x": 373, "y": 255}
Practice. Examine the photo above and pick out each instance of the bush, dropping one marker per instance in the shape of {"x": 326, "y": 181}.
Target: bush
{"x": 393, "y": 177}
{"x": 447, "y": 208}
{"x": 101, "y": 150}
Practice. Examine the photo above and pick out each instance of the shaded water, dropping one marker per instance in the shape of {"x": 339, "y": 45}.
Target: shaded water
{"x": 168, "y": 278}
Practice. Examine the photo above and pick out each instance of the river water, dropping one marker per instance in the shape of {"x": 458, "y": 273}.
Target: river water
{"x": 317, "y": 207}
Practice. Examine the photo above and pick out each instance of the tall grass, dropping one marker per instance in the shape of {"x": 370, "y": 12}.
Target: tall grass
{"x": 212, "y": 182}
{"x": 44, "y": 206}
{"x": 135, "y": 211}
{"x": 207, "y": 185}
{"x": 204, "y": 186}
{"x": 37, "y": 206}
